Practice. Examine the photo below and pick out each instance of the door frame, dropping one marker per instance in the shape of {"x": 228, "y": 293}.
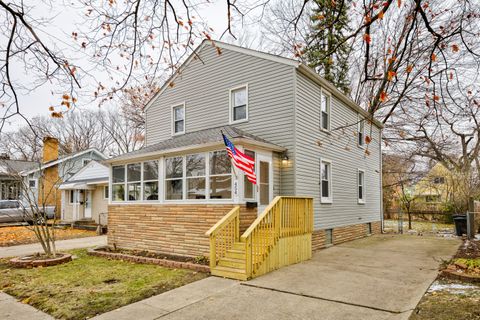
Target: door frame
{"x": 87, "y": 201}
{"x": 264, "y": 157}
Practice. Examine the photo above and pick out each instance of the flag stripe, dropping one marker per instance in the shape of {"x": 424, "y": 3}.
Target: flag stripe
{"x": 241, "y": 160}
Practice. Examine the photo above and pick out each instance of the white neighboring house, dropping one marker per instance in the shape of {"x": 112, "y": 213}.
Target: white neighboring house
{"x": 85, "y": 194}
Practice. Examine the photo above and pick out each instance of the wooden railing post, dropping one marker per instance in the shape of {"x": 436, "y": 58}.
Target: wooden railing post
{"x": 213, "y": 252}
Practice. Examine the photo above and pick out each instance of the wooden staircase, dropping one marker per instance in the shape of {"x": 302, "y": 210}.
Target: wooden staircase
{"x": 280, "y": 236}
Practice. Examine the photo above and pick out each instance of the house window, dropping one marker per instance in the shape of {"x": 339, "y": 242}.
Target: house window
{"x": 134, "y": 176}
{"x": 196, "y": 176}
{"x": 361, "y": 186}
{"x": 361, "y": 133}
{"x": 329, "y": 237}
{"x": 105, "y": 192}
{"x": 174, "y": 178}
{"x": 118, "y": 183}
{"x": 220, "y": 175}
{"x": 150, "y": 180}
{"x": 248, "y": 187}
{"x": 239, "y": 104}
{"x": 178, "y": 119}
{"x": 73, "y": 197}
{"x": 326, "y": 181}
{"x": 32, "y": 183}
{"x": 325, "y": 111}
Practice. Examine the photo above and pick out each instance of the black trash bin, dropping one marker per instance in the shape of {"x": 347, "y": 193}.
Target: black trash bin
{"x": 460, "y": 224}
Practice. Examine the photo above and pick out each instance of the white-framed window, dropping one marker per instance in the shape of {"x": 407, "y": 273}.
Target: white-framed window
{"x": 220, "y": 175}
{"x": 239, "y": 104}
{"x": 106, "y": 191}
{"x": 73, "y": 196}
{"x": 32, "y": 183}
{"x": 118, "y": 183}
{"x": 248, "y": 187}
{"x": 325, "y": 181}
{"x": 134, "y": 181}
{"x": 361, "y": 132}
{"x": 196, "y": 176}
{"x": 150, "y": 180}
{"x": 361, "y": 185}
{"x": 325, "y": 110}
{"x": 174, "y": 178}
{"x": 178, "y": 119}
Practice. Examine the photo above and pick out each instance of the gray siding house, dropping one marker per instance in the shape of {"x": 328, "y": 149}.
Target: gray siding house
{"x": 307, "y": 138}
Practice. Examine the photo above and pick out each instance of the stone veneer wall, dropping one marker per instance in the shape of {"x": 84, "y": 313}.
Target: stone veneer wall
{"x": 175, "y": 229}
{"x": 344, "y": 234}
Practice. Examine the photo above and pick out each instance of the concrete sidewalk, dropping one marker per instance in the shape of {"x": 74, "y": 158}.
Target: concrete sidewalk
{"x": 380, "y": 277}
{"x": 10, "y": 308}
{"x": 69, "y": 244}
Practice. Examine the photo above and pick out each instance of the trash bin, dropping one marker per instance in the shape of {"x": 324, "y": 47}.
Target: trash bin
{"x": 460, "y": 224}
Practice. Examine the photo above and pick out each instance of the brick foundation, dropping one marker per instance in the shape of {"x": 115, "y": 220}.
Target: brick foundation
{"x": 167, "y": 228}
{"x": 344, "y": 234}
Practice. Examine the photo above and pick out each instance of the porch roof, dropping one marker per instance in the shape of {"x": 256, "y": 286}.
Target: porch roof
{"x": 201, "y": 138}
{"x": 76, "y": 186}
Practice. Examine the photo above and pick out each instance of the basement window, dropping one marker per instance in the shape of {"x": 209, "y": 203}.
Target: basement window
{"x": 328, "y": 237}
{"x": 369, "y": 228}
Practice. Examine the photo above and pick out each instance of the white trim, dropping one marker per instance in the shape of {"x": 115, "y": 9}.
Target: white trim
{"x": 361, "y": 201}
{"x": 172, "y": 121}
{"x": 231, "y": 105}
{"x": 327, "y": 94}
{"x": 360, "y": 124}
{"x": 328, "y": 199}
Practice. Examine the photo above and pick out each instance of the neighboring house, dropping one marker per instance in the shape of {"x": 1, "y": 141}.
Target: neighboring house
{"x": 10, "y": 179}
{"x": 85, "y": 194}
{"x": 307, "y": 139}
{"x": 43, "y": 179}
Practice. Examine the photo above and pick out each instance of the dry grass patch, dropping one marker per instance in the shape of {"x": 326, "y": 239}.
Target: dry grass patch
{"x": 12, "y": 236}
{"x": 89, "y": 285}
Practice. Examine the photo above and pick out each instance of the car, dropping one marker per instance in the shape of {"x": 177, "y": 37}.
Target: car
{"x": 12, "y": 211}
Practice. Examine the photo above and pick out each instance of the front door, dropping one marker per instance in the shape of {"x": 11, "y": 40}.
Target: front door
{"x": 88, "y": 204}
{"x": 264, "y": 181}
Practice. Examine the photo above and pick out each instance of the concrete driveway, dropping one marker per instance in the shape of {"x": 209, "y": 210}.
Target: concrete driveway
{"x": 380, "y": 277}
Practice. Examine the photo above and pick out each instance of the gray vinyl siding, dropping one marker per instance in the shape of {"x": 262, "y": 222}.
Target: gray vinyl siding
{"x": 340, "y": 147}
{"x": 204, "y": 88}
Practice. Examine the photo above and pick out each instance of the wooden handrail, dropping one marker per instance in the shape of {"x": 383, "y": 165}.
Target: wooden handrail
{"x": 260, "y": 218}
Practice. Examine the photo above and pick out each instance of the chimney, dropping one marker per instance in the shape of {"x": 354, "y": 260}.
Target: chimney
{"x": 50, "y": 149}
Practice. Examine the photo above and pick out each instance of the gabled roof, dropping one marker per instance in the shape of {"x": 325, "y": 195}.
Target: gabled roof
{"x": 93, "y": 172}
{"x": 63, "y": 159}
{"x": 304, "y": 69}
{"x": 12, "y": 167}
{"x": 202, "y": 138}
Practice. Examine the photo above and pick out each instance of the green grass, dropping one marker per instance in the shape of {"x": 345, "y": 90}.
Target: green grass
{"x": 470, "y": 263}
{"x": 88, "y": 285}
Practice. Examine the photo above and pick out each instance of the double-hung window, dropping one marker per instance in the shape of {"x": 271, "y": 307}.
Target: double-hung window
{"x": 361, "y": 186}
{"x": 118, "y": 183}
{"x": 196, "y": 176}
{"x": 325, "y": 108}
{"x": 239, "y": 104}
{"x": 134, "y": 178}
{"x": 325, "y": 181}
{"x": 150, "y": 180}
{"x": 174, "y": 178}
{"x": 178, "y": 117}
{"x": 220, "y": 180}
{"x": 361, "y": 133}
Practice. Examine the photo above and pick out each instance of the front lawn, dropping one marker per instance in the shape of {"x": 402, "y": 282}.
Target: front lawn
{"x": 88, "y": 285}
{"x": 12, "y": 236}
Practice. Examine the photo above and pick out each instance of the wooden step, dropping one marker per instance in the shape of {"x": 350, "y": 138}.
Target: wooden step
{"x": 233, "y": 263}
{"x": 228, "y": 272}
{"x": 239, "y": 246}
{"x": 235, "y": 254}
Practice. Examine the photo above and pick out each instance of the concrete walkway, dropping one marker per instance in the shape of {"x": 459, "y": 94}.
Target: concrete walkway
{"x": 26, "y": 249}
{"x": 380, "y": 277}
{"x": 10, "y": 308}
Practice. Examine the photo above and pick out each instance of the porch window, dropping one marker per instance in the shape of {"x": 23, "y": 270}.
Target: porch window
{"x": 118, "y": 183}
{"x": 220, "y": 175}
{"x": 326, "y": 181}
{"x": 248, "y": 187}
{"x": 361, "y": 186}
{"x": 174, "y": 178}
{"x": 178, "y": 114}
{"x": 239, "y": 104}
{"x": 325, "y": 111}
{"x": 361, "y": 133}
{"x": 73, "y": 197}
{"x": 134, "y": 176}
{"x": 196, "y": 176}
{"x": 150, "y": 180}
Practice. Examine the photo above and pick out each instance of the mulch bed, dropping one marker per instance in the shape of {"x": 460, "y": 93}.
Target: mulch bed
{"x": 164, "y": 260}
{"x": 470, "y": 249}
{"x": 39, "y": 260}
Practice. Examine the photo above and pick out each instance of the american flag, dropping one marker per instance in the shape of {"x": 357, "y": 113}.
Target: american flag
{"x": 241, "y": 161}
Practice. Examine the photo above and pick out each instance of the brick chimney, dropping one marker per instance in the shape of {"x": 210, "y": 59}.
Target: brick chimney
{"x": 50, "y": 149}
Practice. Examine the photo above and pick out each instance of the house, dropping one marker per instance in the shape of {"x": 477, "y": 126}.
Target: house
{"x": 10, "y": 182}
{"x": 307, "y": 139}
{"x": 85, "y": 194}
{"x": 42, "y": 180}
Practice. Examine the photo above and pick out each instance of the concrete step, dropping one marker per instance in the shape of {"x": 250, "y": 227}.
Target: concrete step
{"x": 228, "y": 272}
